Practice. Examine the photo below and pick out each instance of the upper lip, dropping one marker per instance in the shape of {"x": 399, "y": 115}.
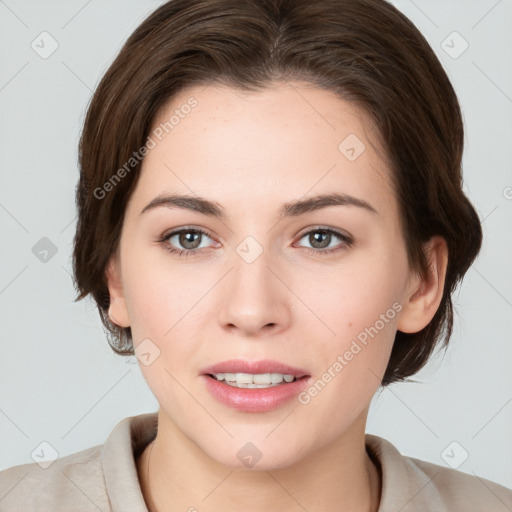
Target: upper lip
{"x": 255, "y": 367}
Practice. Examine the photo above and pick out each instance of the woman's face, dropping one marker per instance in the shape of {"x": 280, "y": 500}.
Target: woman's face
{"x": 268, "y": 272}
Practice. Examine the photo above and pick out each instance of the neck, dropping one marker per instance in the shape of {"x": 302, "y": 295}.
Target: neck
{"x": 339, "y": 476}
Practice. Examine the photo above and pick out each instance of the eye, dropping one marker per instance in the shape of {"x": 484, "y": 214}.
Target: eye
{"x": 320, "y": 240}
{"x": 185, "y": 241}
{"x": 190, "y": 241}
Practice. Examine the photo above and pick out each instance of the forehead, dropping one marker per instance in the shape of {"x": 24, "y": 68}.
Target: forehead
{"x": 282, "y": 142}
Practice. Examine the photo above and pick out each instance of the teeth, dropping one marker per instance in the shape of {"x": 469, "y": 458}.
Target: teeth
{"x": 249, "y": 380}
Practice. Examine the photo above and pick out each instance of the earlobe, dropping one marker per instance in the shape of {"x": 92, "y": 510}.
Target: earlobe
{"x": 117, "y": 311}
{"x": 424, "y": 296}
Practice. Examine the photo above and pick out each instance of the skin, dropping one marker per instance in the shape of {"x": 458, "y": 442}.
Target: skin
{"x": 250, "y": 153}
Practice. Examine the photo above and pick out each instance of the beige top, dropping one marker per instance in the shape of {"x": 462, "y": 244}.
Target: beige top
{"x": 104, "y": 478}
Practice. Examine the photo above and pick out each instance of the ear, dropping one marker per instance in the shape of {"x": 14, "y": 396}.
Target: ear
{"x": 423, "y": 296}
{"x": 117, "y": 311}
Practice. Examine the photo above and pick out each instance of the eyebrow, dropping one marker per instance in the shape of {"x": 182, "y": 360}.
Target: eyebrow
{"x": 291, "y": 209}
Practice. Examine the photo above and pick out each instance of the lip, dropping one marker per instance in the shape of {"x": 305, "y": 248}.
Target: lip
{"x": 262, "y": 366}
{"x": 254, "y": 399}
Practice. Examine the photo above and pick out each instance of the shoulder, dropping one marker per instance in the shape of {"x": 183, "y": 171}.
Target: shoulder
{"x": 459, "y": 489}
{"x": 411, "y": 484}
{"x": 101, "y": 478}
{"x": 72, "y": 482}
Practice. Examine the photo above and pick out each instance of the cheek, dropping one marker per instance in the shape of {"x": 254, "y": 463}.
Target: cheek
{"x": 354, "y": 297}
{"x": 164, "y": 306}
{"x": 163, "y": 309}
{"x": 360, "y": 349}
{"x": 161, "y": 295}
{"x": 349, "y": 366}
{"x": 360, "y": 308}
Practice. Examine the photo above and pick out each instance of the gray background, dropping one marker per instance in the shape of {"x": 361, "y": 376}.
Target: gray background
{"x": 60, "y": 381}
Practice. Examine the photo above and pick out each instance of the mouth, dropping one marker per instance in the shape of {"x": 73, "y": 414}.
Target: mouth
{"x": 254, "y": 386}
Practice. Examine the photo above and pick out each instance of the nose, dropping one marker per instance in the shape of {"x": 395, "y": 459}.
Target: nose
{"x": 254, "y": 299}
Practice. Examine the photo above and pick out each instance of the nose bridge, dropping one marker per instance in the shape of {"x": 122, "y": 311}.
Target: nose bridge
{"x": 251, "y": 275}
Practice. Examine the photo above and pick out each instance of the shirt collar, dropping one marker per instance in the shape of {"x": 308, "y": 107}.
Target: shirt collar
{"x": 118, "y": 456}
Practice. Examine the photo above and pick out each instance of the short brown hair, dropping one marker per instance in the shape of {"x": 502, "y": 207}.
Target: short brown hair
{"x": 365, "y": 51}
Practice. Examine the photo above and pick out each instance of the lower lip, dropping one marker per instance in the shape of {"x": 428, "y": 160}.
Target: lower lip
{"x": 254, "y": 399}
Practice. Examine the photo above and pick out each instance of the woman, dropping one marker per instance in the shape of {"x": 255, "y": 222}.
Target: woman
{"x": 271, "y": 218}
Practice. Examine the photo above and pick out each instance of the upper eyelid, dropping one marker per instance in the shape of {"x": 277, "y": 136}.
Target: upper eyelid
{"x": 173, "y": 232}
{"x": 335, "y": 231}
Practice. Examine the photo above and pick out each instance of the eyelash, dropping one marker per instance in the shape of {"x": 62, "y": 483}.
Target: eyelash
{"x": 347, "y": 241}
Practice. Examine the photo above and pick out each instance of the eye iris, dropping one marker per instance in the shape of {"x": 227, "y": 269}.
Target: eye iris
{"x": 320, "y": 236}
{"x": 189, "y": 237}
